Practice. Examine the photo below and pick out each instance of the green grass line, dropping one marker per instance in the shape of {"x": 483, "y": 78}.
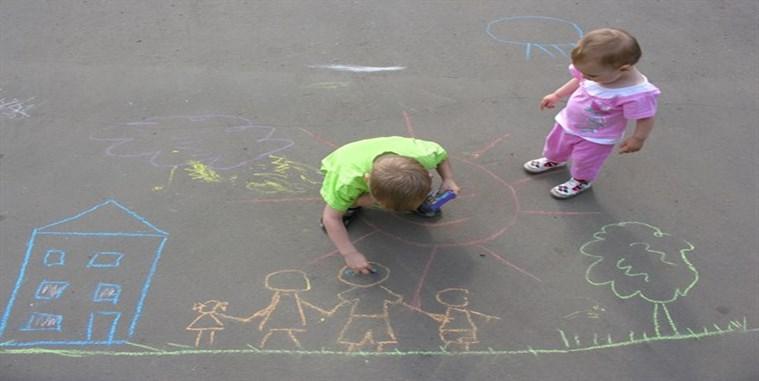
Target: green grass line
{"x": 564, "y": 338}
{"x": 529, "y": 351}
{"x": 180, "y": 345}
{"x": 143, "y": 346}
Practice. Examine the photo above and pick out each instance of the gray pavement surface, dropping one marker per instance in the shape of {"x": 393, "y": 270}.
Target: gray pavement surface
{"x": 159, "y": 198}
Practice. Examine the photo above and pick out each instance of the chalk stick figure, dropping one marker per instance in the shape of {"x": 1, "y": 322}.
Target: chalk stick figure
{"x": 457, "y": 327}
{"x": 208, "y": 321}
{"x": 369, "y": 321}
{"x": 285, "y": 313}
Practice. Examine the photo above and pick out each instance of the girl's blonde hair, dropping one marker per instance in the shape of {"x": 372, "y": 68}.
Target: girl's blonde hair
{"x": 608, "y": 46}
{"x": 398, "y": 182}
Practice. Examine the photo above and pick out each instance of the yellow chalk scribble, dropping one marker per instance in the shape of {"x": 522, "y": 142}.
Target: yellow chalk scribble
{"x": 202, "y": 172}
{"x": 282, "y": 175}
{"x": 269, "y": 186}
{"x": 171, "y": 179}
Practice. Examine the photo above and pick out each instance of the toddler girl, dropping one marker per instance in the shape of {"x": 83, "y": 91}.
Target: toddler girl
{"x": 606, "y": 90}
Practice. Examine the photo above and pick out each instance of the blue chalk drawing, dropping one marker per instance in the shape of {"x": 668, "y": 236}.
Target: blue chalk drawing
{"x": 111, "y": 255}
{"x": 560, "y": 45}
{"x": 106, "y": 259}
{"x": 55, "y": 257}
{"x": 113, "y": 320}
{"x": 39, "y": 321}
{"x": 49, "y": 290}
{"x": 107, "y": 292}
{"x": 220, "y": 142}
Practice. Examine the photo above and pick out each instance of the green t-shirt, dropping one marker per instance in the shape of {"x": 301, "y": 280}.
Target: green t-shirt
{"x": 344, "y": 169}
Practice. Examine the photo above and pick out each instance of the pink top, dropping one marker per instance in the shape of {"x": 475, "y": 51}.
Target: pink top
{"x": 600, "y": 114}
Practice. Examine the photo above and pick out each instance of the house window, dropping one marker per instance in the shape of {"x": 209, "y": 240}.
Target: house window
{"x": 107, "y": 292}
{"x": 43, "y": 322}
{"x": 54, "y": 257}
{"x": 105, "y": 259}
{"x": 49, "y": 290}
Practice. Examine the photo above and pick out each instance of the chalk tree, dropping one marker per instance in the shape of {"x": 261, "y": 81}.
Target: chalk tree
{"x": 637, "y": 259}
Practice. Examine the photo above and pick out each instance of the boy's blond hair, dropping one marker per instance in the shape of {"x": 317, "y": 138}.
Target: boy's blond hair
{"x": 609, "y": 46}
{"x": 399, "y": 183}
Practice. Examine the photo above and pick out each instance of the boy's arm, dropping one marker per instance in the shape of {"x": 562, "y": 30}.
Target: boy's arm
{"x": 333, "y": 223}
{"x": 550, "y": 100}
{"x": 635, "y": 142}
{"x": 446, "y": 176}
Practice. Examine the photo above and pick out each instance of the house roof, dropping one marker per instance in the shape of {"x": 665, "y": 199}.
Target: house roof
{"x": 108, "y": 217}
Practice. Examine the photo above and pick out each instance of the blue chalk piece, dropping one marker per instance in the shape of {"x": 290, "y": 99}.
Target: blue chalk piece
{"x": 440, "y": 200}
{"x": 431, "y": 206}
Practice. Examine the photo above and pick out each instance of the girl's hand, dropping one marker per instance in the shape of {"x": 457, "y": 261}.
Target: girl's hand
{"x": 549, "y": 101}
{"x": 631, "y": 144}
{"x": 450, "y": 185}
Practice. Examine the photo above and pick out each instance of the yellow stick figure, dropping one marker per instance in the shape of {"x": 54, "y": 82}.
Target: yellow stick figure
{"x": 208, "y": 320}
{"x": 457, "y": 327}
{"x": 369, "y": 321}
{"x": 285, "y": 313}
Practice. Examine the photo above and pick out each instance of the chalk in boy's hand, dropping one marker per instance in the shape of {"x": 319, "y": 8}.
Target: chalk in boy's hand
{"x": 352, "y": 273}
{"x": 431, "y": 206}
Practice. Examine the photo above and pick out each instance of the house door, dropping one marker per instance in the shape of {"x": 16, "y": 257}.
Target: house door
{"x": 102, "y": 326}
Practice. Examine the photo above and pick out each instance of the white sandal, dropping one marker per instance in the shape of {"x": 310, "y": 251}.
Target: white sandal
{"x": 569, "y": 189}
{"x": 541, "y": 165}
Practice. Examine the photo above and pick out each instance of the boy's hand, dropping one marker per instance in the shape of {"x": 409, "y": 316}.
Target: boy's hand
{"x": 549, "y": 101}
{"x": 357, "y": 262}
{"x": 450, "y": 185}
{"x": 631, "y": 144}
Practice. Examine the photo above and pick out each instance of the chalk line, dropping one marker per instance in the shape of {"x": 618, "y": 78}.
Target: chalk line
{"x": 358, "y": 69}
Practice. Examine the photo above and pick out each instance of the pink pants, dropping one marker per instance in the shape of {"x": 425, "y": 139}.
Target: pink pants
{"x": 586, "y": 157}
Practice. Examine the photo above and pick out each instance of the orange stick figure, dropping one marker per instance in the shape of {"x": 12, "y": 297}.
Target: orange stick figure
{"x": 369, "y": 320}
{"x": 208, "y": 320}
{"x": 285, "y": 313}
{"x": 457, "y": 327}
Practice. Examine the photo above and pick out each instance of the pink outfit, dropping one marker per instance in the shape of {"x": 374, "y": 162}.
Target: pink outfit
{"x": 594, "y": 120}
{"x": 587, "y": 157}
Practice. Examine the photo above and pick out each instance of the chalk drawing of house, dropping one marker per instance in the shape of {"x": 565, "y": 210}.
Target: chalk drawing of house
{"x": 83, "y": 280}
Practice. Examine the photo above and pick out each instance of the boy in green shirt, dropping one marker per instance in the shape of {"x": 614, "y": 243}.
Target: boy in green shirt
{"x": 391, "y": 172}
